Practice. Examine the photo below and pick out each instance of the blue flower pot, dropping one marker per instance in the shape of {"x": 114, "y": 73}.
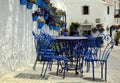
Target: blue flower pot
{"x": 56, "y": 28}
{"x": 65, "y": 33}
{"x": 50, "y": 27}
{"x": 94, "y": 32}
{"x": 63, "y": 25}
{"x": 39, "y": 3}
{"x": 42, "y": 13}
{"x": 29, "y": 5}
{"x": 23, "y": 2}
{"x": 46, "y": 16}
{"x": 40, "y": 25}
{"x": 34, "y": 17}
{"x": 113, "y": 28}
{"x": 45, "y": 5}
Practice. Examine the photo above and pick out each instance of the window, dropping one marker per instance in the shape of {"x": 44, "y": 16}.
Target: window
{"x": 108, "y": 10}
{"x": 85, "y": 10}
{"x": 97, "y": 20}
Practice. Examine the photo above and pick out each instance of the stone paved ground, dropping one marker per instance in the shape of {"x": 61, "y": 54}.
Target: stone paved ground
{"x": 27, "y": 75}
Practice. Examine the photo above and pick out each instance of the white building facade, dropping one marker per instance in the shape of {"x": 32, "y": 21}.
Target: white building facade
{"x": 93, "y": 11}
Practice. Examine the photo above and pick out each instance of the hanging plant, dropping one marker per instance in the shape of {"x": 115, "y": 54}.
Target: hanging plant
{"x": 29, "y": 5}
{"x": 23, "y": 2}
{"x": 41, "y": 22}
{"x": 35, "y": 15}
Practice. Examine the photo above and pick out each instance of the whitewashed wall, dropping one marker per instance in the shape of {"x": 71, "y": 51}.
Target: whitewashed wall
{"x": 97, "y": 10}
{"x": 16, "y": 40}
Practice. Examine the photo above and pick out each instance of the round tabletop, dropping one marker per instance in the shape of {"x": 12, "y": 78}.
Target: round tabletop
{"x": 70, "y": 38}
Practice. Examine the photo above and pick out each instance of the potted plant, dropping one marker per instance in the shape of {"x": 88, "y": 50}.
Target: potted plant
{"x": 64, "y": 32}
{"x": 30, "y": 3}
{"x": 57, "y": 26}
{"x": 39, "y": 3}
{"x": 45, "y": 4}
{"x": 63, "y": 24}
{"x": 52, "y": 9}
{"x": 35, "y": 15}
{"x": 101, "y": 29}
{"x": 41, "y": 22}
{"x": 42, "y": 13}
{"x": 23, "y": 2}
{"x": 94, "y": 30}
{"x": 99, "y": 26}
{"x": 74, "y": 28}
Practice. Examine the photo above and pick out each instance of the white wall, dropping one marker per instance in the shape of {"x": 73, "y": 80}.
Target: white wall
{"x": 16, "y": 40}
{"x": 97, "y": 10}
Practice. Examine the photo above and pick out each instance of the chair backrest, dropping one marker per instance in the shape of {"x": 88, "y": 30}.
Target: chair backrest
{"x": 98, "y": 52}
{"x": 104, "y": 52}
{"x": 108, "y": 48}
{"x": 42, "y": 41}
{"x": 36, "y": 41}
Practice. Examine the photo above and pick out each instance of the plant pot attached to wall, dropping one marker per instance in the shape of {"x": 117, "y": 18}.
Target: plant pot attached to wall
{"x": 29, "y": 5}
{"x": 56, "y": 28}
{"x": 46, "y": 16}
{"x": 44, "y": 5}
{"x": 41, "y": 22}
{"x": 35, "y": 17}
{"x": 40, "y": 25}
{"x": 39, "y": 3}
{"x": 23, "y": 2}
{"x": 50, "y": 27}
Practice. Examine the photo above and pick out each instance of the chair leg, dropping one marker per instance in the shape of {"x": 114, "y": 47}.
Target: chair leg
{"x": 65, "y": 67}
{"x": 101, "y": 70}
{"x": 57, "y": 67}
{"x": 34, "y": 66}
{"x": 46, "y": 69}
{"x": 106, "y": 71}
{"x": 93, "y": 70}
{"x": 50, "y": 66}
{"x": 42, "y": 69}
{"x": 88, "y": 67}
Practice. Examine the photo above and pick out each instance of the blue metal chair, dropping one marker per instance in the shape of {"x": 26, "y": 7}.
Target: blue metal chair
{"x": 46, "y": 53}
{"x": 100, "y": 55}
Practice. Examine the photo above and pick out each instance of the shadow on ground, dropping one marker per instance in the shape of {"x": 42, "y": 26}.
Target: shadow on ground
{"x": 68, "y": 74}
{"x": 28, "y": 76}
{"x": 96, "y": 79}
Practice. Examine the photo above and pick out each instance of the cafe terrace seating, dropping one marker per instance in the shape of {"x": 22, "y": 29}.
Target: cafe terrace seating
{"x": 73, "y": 51}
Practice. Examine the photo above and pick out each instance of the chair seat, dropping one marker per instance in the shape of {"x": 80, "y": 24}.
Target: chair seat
{"x": 94, "y": 59}
{"x": 59, "y": 58}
